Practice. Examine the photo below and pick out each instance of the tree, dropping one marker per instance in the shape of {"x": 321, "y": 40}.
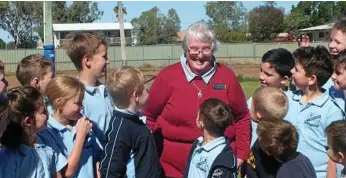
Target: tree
{"x": 265, "y": 21}
{"x": 83, "y": 12}
{"x": 2, "y": 44}
{"x": 152, "y": 27}
{"x": 20, "y": 19}
{"x": 171, "y": 27}
{"x": 228, "y": 19}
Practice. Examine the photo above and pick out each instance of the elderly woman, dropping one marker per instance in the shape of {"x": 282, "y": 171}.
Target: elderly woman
{"x": 177, "y": 93}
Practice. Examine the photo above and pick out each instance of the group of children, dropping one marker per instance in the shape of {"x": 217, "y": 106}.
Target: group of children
{"x": 61, "y": 126}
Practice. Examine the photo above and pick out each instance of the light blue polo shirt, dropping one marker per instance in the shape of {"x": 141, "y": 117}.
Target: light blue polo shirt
{"x": 65, "y": 140}
{"x": 204, "y": 155}
{"x": 28, "y": 163}
{"x": 98, "y": 108}
{"x": 311, "y": 121}
{"x": 190, "y": 76}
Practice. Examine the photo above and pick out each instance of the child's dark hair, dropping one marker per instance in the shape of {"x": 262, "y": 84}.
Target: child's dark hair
{"x": 83, "y": 44}
{"x": 339, "y": 61}
{"x": 216, "y": 116}
{"x": 22, "y": 102}
{"x": 336, "y": 134}
{"x": 281, "y": 60}
{"x": 315, "y": 61}
{"x": 278, "y": 138}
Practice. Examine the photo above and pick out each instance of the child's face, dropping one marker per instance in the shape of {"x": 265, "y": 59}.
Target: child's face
{"x": 41, "y": 118}
{"x": 99, "y": 61}
{"x": 269, "y": 77}
{"x": 143, "y": 98}
{"x": 46, "y": 79}
{"x": 337, "y": 42}
{"x": 298, "y": 76}
{"x": 336, "y": 157}
{"x": 3, "y": 83}
{"x": 72, "y": 107}
{"x": 339, "y": 78}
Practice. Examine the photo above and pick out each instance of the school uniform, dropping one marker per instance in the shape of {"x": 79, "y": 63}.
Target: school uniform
{"x": 65, "y": 140}
{"x": 130, "y": 150}
{"x": 214, "y": 159}
{"x": 259, "y": 164}
{"x": 311, "y": 121}
{"x": 98, "y": 108}
{"x": 298, "y": 167}
{"x": 39, "y": 162}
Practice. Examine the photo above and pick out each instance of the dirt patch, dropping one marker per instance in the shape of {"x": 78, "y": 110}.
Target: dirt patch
{"x": 245, "y": 70}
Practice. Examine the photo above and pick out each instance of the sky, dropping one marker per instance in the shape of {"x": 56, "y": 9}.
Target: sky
{"x": 188, "y": 11}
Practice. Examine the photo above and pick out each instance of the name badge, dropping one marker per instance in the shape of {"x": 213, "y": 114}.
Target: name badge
{"x": 219, "y": 87}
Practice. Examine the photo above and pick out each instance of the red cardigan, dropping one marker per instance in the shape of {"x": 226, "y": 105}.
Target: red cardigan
{"x": 172, "y": 110}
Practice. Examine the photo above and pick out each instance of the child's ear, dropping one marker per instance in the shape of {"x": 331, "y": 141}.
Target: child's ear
{"x": 35, "y": 82}
{"x": 28, "y": 122}
{"x": 86, "y": 61}
{"x": 200, "y": 124}
{"x": 341, "y": 157}
{"x": 135, "y": 96}
{"x": 312, "y": 80}
{"x": 285, "y": 80}
{"x": 259, "y": 116}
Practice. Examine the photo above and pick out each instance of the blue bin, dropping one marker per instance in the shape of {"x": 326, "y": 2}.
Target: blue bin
{"x": 49, "y": 53}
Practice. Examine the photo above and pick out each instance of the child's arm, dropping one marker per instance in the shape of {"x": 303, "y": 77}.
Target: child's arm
{"x": 98, "y": 175}
{"x": 331, "y": 169}
{"x": 83, "y": 128}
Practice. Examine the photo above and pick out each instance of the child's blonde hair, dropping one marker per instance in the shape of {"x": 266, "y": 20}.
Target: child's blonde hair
{"x": 62, "y": 88}
{"x": 83, "y": 44}
{"x": 270, "y": 102}
{"x": 32, "y": 66}
{"x": 123, "y": 82}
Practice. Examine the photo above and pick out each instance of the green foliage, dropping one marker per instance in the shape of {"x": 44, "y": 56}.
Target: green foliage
{"x": 152, "y": 27}
{"x": 2, "y": 44}
{"x": 228, "y": 20}
{"x": 265, "y": 21}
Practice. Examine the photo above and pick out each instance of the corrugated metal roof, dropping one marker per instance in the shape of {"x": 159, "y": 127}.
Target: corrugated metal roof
{"x": 90, "y": 26}
{"x": 320, "y": 27}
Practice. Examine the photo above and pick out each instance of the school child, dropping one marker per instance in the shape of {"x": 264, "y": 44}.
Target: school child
{"x": 36, "y": 71}
{"x": 275, "y": 71}
{"x": 269, "y": 103}
{"x": 279, "y": 139}
{"x": 88, "y": 53}
{"x": 336, "y": 149}
{"x": 311, "y": 108}
{"x": 211, "y": 155}
{"x": 3, "y": 99}
{"x": 3, "y": 81}
{"x": 339, "y": 74}
{"x": 130, "y": 145}
{"x": 24, "y": 153}
{"x": 70, "y": 131}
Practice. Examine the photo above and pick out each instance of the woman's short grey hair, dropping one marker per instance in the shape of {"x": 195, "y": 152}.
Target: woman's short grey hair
{"x": 200, "y": 31}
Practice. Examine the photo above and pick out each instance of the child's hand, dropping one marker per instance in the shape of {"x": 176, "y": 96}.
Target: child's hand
{"x": 83, "y": 126}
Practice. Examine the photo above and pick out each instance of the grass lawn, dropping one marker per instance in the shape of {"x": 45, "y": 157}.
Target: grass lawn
{"x": 249, "y": 85}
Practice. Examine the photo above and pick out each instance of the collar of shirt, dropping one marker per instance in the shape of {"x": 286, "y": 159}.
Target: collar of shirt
{"x": 92, "y": 90}
{"x": 190, "y": 76}
{"x": 319, "y": 101}
{"x": 211, "y": 145}
{"x": 61, "y": 128}
{"x": 140, "y": 116}
{"x": 25, "y": 149}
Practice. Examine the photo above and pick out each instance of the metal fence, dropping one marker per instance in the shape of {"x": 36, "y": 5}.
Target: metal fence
{"x": 155, "y": 55}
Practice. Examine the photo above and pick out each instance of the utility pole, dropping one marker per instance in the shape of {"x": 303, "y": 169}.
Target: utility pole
{"x": 122, "y": 33}
{"x": 48, "y": 46}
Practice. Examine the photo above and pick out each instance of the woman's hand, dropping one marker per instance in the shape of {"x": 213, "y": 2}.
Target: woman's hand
{"x": 240, "y": 163}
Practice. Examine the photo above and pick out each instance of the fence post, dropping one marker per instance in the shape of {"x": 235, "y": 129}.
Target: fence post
{"x": 142, "y": 55}
{"x": 279, "y": 45}
{"x": 228, "y": 56}
{"x": 170, "y": 58}
{"x": 254, "y": 51}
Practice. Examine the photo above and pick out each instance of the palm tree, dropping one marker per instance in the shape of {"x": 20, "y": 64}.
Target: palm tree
{"x": 119, "y": 10}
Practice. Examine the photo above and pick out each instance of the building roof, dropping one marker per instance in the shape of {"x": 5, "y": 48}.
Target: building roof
{"x": 320, "y": 27}
{"x": 90, "y": 26}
